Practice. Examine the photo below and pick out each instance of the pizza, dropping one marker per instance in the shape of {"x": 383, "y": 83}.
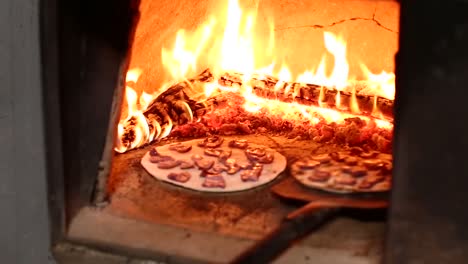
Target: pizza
{"x": 353, "y": 171}
{"x": 214, "y": 164}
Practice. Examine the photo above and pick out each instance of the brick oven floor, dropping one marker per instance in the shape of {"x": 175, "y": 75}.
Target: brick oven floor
{"x": 169, "y": 223}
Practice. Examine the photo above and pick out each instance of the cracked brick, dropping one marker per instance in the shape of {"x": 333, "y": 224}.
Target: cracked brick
{"x": 318, "y": 26}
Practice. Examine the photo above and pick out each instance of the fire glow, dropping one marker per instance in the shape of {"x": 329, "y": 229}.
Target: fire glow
{"x": 235, "y": 49}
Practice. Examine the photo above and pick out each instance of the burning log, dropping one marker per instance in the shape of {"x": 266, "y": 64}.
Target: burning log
{"x": 311, "y": 94}
{"x": 173, "y": 107}
{"x": 174, "y": 104}
{"x": 181, "y": 103}
{"x": 271, "y": 88}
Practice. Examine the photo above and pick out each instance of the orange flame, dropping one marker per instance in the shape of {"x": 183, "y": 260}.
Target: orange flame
{"x": 382, "y": 84}
{"x": 135, "y": 116}
{"x": 237, "y": 49}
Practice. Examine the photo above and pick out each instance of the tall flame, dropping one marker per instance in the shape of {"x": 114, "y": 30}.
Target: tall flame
{"x": 238, "y": 49}
{"x": 337, "y": 47}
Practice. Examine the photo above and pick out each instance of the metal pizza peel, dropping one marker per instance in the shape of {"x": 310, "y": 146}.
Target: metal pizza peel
{"x": 319, "y": 208}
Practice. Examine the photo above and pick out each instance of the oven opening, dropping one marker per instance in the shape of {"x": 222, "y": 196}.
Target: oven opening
{"x": 236, "y": 115}
{"x": 248, "y": 69}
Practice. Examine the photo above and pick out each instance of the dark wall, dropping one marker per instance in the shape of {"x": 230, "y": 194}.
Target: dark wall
{"x": 429, "y": 215}
{"x": 59, "y": 66}
{"x": 93, "y": 40}
{"x": 24, "y": 230}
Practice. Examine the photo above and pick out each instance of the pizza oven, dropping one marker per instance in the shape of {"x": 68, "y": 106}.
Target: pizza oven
{"x": 143, "y": 88}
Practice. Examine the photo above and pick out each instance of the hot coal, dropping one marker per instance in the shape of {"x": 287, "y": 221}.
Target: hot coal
{"x": 230, "y": 118}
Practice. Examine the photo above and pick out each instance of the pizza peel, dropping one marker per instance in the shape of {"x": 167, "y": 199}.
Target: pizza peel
{"x": 321, "y": 206}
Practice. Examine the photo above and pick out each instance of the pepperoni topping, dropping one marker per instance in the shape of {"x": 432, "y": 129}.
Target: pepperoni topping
{"x": 230, "y": 162}
{"x": 220, "y": 153}
{"x": 168, "y": 164}
{"x": 217, "y": 169}
{"x": 233, "y": 169}
{"x": 239, "y": 143}
{"x": 386, "y": 168}
{"x": 364, "y": 185}
{"x": 323, "y": 158}
{"x": 153, "y": 152}
{"x": 204, "y": 164}
{"x": 351, "y": 161}
{"x": 214, "y": 181}
{"x": 267, "y": 159}
{"x": 346, "y": 169}
{"x": 336, "y": 156}
{"x": 368, "y": 155}
{"x": 345, "y": 179}
{"x": 307, "y": 164}
{"x": 232, "y": 166}
{"x": 356, "y": 150}
{"x": 370, "y": 182}
{"x": 253, "y": 174}
{"x": 374, "y": 179}
{"x": 225, "y": 154}
{"x": 373, "y": 164}
{"x": 159, "y": 158}
{"x": 184, "y": 164}
{"x": 259, "y": 155}
{"x": 358, "y": 171}
{"x": 179, "y": 177}
{"x": 320, "y": 176}
{"x": 211, "y": 142}
{"x": 213, "y": 152}
{"x": 256, "y": 151}
{"x": 245, "y": 165}
{"x": 181, "y": 148}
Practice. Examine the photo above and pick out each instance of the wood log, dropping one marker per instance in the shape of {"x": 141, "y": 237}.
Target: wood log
{"x": 314, "y": 95}
{"x": 172, "y": 103}
{"x": 171, "y": 108}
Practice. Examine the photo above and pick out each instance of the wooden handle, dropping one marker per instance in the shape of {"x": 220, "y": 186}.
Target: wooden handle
{"x": 285, "y": 235}
{"x": 337, "y": 203}
{"x": 312, "y": 207}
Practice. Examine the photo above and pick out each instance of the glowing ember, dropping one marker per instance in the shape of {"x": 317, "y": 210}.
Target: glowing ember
{"x": 236, "y": 50}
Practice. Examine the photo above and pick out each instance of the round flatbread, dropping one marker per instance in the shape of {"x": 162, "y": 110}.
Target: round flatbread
{"x": 353, "y": 171}
{"x": 214, "y": 164}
